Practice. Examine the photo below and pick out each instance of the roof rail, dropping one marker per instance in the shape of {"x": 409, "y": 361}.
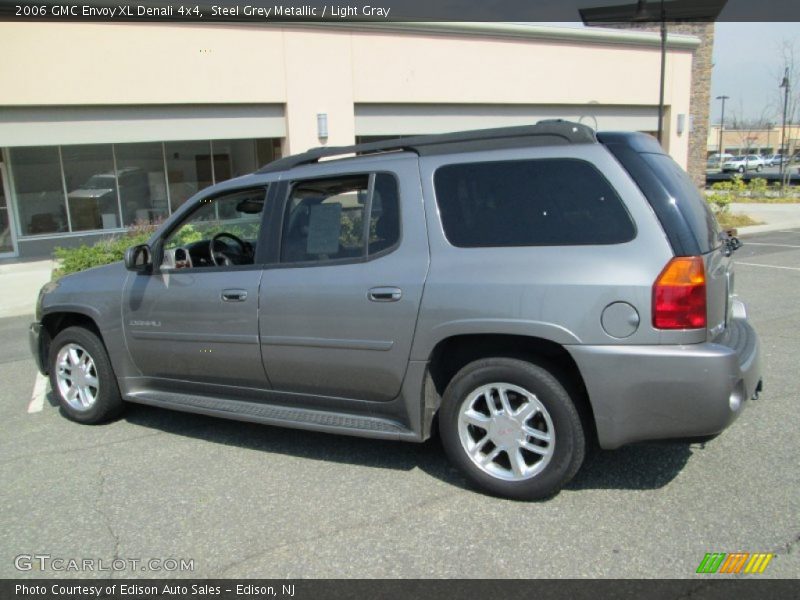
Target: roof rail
{"x": 551, "y": 132}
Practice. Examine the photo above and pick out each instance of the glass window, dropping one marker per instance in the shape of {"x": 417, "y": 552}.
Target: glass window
{"x": 39, "y": 190}
{"x": 384, "y": 214}
{"x": 529, "y": 203}
{"x": 325, "y": 219}
{"x": 142, "y": 185}
{"x": 91, "y": 187}
{"x": 231, "y": 221}
{"x": 188, "y": 169}
{"x": 267, "y": 150}
{"x": 233, "y": 158}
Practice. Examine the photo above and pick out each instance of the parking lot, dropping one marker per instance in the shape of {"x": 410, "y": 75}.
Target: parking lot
{"x": 243, "y": 500}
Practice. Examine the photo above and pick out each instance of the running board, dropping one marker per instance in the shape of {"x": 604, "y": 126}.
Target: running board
{"x": 282, "y": 416}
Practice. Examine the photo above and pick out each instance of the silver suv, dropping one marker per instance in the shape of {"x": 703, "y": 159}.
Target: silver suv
{"x": 528, "y": 291}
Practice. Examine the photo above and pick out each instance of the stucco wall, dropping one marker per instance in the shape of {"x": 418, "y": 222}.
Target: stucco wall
{"x": 332, "y": 69}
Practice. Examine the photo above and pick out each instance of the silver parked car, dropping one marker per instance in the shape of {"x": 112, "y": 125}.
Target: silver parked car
{"x": 746, "y": 162}
{"x": 538, "y": 289}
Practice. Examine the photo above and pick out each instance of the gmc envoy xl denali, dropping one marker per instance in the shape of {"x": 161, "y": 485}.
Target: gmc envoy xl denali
{"x": 529, "y": 291}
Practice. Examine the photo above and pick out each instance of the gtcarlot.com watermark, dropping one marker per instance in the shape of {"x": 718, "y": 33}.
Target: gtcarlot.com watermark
{"x": 59, "y": 564}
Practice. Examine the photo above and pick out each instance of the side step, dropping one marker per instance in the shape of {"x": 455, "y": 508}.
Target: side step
{"x": 282, "y": 416}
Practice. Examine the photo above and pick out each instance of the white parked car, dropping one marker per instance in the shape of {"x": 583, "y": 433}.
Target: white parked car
{"x": 747, "y": 162}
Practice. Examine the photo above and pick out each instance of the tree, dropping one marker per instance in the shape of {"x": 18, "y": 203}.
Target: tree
{"x": 789, "y": 51}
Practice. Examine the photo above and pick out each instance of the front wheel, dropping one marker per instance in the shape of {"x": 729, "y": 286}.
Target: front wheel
{"x": 82, "y": 377}
{"x": 741, "y": 169}
{"x": 512, "y": 428}
{"x": 758, "y": 168}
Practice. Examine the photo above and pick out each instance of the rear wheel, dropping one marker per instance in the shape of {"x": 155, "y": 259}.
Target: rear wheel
{"x": 512, "y": 428}
{"x": 82, "y": 378}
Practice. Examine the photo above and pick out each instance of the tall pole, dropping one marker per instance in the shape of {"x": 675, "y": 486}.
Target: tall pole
{"x": 785, "y": 86}
{"x": 663, "y": 70}
{"x": 721, "y": 128}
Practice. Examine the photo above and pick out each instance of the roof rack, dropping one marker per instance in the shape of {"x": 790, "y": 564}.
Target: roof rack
{"x": 551, "y": 132}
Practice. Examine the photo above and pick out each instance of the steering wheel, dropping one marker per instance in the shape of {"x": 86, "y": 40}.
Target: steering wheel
{"x": 220, "y": 258}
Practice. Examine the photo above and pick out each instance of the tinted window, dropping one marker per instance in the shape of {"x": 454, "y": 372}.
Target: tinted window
{"x": 530, "y": 203}
{"x": 385, "y": 214}
{"x": 691, "y": 204}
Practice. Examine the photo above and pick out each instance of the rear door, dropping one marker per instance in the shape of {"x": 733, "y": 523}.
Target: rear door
{"x": 338, "y": 312}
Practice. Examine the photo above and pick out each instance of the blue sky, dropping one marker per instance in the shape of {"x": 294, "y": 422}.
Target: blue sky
{"x": 748, "y": 67}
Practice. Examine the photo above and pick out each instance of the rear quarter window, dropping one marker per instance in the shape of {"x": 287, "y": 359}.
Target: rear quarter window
{"x": 540, "y": 202}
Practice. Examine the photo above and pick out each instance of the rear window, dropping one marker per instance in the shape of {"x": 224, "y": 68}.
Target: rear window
{"x": 690, "y": 202}
{"x": 542, "y": 202}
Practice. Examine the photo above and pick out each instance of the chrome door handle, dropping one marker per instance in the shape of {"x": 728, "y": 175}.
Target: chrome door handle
{"x": 234, "y": 295}
{"x": 385, "y": 294}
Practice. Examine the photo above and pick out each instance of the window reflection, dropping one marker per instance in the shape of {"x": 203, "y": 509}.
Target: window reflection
{"x": 91, "y": 187}
{"x": 39, "y": 190}
{"x": 188, "y": 169}
{"x": 142, "y": 185}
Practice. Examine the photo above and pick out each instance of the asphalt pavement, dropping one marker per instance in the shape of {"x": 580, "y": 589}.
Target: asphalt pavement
{"x": 243, "y": 500}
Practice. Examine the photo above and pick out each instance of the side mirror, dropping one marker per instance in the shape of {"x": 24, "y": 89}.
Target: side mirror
{"x": 139, "y": 258}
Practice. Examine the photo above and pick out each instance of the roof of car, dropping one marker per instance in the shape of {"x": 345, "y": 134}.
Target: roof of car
{"x": 552, "y": 132}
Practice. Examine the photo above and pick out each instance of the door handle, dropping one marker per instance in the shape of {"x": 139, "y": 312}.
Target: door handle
{"x": 234, "y": 295}
{"x": 385, "y": 294}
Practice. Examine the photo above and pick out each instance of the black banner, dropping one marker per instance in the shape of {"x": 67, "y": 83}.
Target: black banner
{"x": 706, "y": 587}
{"x": 387, "y": 11}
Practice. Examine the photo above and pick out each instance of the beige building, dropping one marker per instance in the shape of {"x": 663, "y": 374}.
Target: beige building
{"x": 765, "y": 140}
{"x": 103, "y": 125}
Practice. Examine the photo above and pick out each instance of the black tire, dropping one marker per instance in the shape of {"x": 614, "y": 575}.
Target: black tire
{"x": 741, "y": 169}
{"x": 107, "y": 403}
{"x": 569, "y": 441}
{"x": 758, "y": 168}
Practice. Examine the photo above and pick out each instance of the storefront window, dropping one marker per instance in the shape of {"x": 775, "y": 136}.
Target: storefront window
{"x": 115, "y": 186}
{"x": 188, "y": 169}
{"x": 142, "y": 186}
{"x": 233, "y": 158}
{"x": 39, "y": 190}
{"x": 267, "y": 150}
{"x": 91, "y": 187}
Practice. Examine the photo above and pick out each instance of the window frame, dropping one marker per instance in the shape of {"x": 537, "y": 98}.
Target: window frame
{"x": 263, "y": 251}
{"x": 289, "y": 185}
{"x": 592, "y": 165}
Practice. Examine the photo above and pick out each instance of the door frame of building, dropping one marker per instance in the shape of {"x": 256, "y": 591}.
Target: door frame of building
{"x": 12, "y": 225}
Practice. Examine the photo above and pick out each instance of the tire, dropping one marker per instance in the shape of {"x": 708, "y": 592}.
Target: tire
{"x": 741, "y": 169}
{"x": 94, "y": 397}
{"x": 481, "y": 442}
{"x": 758, "y": 168}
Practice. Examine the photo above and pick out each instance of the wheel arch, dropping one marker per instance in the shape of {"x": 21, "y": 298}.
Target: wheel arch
{"x": 453, "y": 353}
{"x": 56, "y": 321}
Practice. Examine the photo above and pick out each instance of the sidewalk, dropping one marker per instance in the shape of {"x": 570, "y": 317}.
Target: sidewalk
{"x": 774, "y": 216}
{"x": 19, "y": 286}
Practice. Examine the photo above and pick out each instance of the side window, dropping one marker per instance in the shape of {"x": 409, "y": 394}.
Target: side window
{"x": 325, "y": 218}
{"x": 385, "y": 214}
{"x": 221, "y": 231}
{"x": 543, "y": 202}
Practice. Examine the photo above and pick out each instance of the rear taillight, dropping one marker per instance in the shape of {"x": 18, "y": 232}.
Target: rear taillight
{"x": 679, "y": 294}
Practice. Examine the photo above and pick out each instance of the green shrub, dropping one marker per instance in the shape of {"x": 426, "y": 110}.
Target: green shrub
{"x": 103, "y": 252}
{"x": 725, "y": 192}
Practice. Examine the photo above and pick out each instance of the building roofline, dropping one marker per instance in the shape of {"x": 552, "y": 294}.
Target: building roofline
{"x": 586, "y": 35}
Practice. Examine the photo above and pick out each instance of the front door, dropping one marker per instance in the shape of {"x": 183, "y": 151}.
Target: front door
{"x": 339, "y": 310}
{"x": 7, "y": 239}
{"x": 195, "y": 318}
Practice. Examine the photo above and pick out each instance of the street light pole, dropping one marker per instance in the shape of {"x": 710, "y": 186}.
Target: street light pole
{"x": 785, "y": 85}
{"x": 721, "y": 127}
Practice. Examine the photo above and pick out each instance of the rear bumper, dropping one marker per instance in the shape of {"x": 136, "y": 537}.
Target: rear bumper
{"x": 642, "y": 393}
